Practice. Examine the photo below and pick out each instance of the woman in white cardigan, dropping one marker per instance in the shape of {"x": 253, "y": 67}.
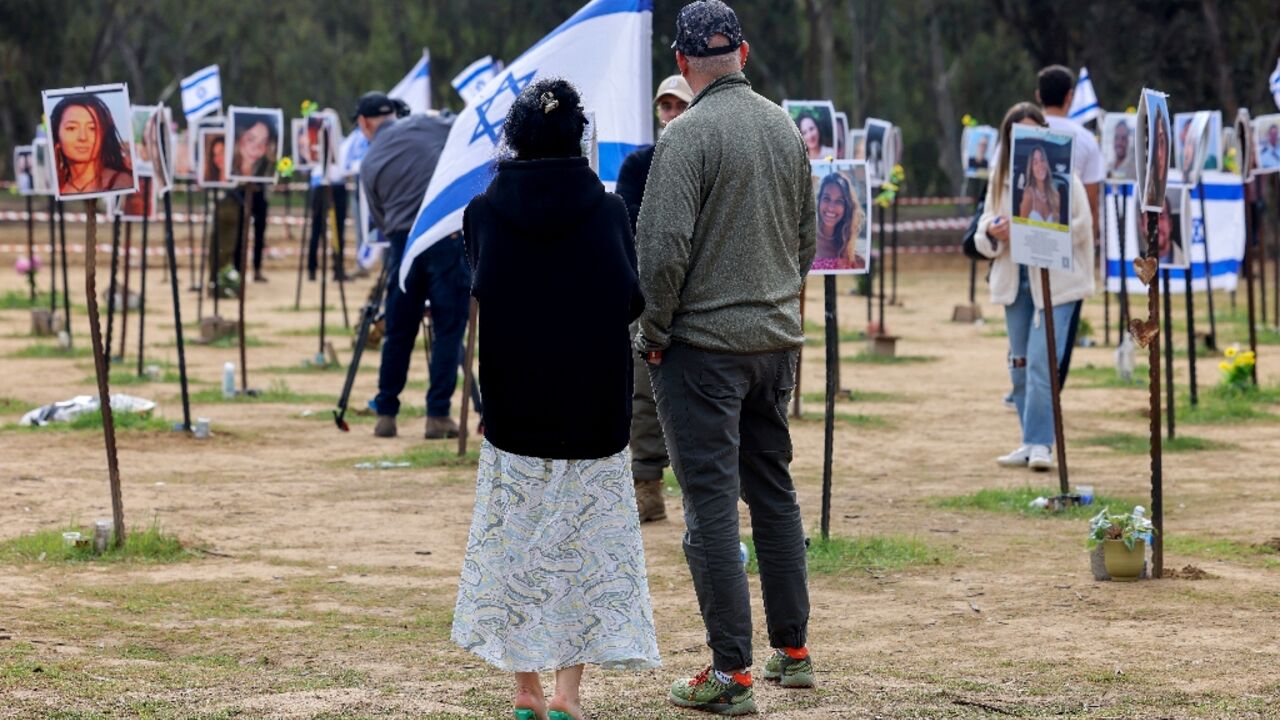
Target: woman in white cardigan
{"x": 1019, "y": 290}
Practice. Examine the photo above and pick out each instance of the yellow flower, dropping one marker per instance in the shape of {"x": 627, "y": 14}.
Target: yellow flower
{"x": 1246, "y": 357}
{"x": 1230, "y": 352}
{"x": 968, "y": 120}
{"x": 1224, "y": 366}
{"x": 1131, "y": 109}
{"x": 889, "y": 187}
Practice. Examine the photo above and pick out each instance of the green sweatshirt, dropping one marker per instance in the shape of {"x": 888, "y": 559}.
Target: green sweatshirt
{"x": 727, "y": 228}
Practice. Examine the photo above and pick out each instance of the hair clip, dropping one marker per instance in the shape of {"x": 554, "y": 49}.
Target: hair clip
{"x": 549, "y": 102}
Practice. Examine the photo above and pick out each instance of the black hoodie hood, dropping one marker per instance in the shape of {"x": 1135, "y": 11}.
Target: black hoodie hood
{"x": 545, "y": 197}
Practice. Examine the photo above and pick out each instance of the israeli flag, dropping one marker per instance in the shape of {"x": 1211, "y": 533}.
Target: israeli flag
{"x": 1275, "y": 83}
{"x": 201, "y": 94}
{"x": 1224, "y": 205}
{"x": 604, "y": 50}
{"x": 415, "y": 88}
{"x": 470, "y": 82}
{"x": 1084, "y": 104}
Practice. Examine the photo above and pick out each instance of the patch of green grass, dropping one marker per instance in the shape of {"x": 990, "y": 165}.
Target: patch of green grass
{"x": 335, "y": 331}
{"x": 855, "y": 419}
{"x": 996, "y": 332}
{"x": 305, "y": 309}
{"x": 1018, "y": 500}
{"x": 873, "y": 359}
{"x": 1141, "y": 444}
{"x": 233, "y": 341}
{"x": 9, "y": 406}
{"x": 1092, "y": 376}
{"x": 841, "y": 556}
{"x": 428, "y": 456}
{"x": 43, "y": 351}
{"x": 855, "y": 396}
{"x": 670, "y": 484}
{"x": 21, "y": 300}
{"x": 131, "y": 377}
{"x": 1222, "y": 549}
{"x": 151, "y": 545}
{"x": 306, "y": 368}
{"x": 277, "y": 392}
{"x": 1218, "y": 404}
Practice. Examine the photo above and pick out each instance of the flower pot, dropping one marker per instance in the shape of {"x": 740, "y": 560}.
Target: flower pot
{"x": 1123, "y": 564}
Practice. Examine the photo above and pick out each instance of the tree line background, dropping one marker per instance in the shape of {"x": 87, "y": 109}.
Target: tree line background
{"x": 921, "y": 64}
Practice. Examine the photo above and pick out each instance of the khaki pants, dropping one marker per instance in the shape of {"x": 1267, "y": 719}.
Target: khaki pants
{"x": 648, "y": 449}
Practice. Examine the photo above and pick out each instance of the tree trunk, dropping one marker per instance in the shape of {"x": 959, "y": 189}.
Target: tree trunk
{"x": 948, "y": 121}
{"x": 1222, "y": 63}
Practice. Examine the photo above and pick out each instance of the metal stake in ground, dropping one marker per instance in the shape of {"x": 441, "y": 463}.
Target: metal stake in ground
{"x": 796, "y": 408}
{"x": 216, "y": 255}
{"x": 191, "y": 233}
{"x": 1212, "y": 340}
{"x": 66, "y": 289}
{"x": 31, "y": 251}
{"x": 204, "y": 254}
{"x": 1153, "y": 412}
{"x": 880, "y": 330}
{"x": 829, "y": 426}
{"x": 1122, "y": 207}
{"x": 324, "y": 267}
{"x": 148, "y": 198}
{"x": 1251, "y": 244}
{"x": 1168, "y": 352}
{"x": 172, "y": 252}
{"x": 468, "y": 378}
{"x": 1106, "y": 294}
{"x": 893, "y": 241}
{"x": 1262, "y": 252}
{"x": 101, "y": 368}
{"x": 124, "y": 304}
{"x": 245, "y": 223}
{"x": 112, "y": 289}
{"x": 1055, "y": 387}
{"x": 53, "y": 260}
{"x": 1189, "y": 299}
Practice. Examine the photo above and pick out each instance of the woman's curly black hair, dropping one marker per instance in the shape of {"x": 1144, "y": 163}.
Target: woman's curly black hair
{"x": 546, "y": 121}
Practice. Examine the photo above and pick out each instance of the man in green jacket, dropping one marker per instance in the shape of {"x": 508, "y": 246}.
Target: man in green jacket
{"x": 725, "y": 238}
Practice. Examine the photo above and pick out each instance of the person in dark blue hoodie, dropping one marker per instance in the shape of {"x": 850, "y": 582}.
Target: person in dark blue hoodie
{"x": 554, "y": 575}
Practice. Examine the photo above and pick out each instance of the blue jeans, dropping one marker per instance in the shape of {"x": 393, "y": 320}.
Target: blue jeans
{"x": 440, "y": 275}
{"x": 1029, "y": 361}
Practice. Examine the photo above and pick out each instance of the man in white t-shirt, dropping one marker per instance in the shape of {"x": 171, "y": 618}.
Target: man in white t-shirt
{"x": 1055, "y": 88}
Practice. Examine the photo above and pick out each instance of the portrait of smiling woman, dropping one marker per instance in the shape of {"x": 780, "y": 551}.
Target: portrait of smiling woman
{"x": 91, "y": 158}
{"x": 255, "y": 145}
{"x": 841, "y": 198}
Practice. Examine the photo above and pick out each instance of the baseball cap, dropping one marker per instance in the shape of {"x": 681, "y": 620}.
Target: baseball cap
{"x": 373, "y": 104}
{"x": 699, "y": 21}
{"x": 675, "y": 86}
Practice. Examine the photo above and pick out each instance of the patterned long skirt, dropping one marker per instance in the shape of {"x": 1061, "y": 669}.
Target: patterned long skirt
{"x": 554, "y": 574}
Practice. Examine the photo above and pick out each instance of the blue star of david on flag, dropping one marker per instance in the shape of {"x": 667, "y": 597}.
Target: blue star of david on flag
{"x": 493, "y": 129}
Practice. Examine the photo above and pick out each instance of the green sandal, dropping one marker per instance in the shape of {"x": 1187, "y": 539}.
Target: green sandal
{"x": 525, "y": 714}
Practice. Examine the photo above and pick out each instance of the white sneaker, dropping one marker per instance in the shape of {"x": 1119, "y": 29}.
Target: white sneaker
{"x": 1017, "y": 458}
{"x": 1041, "y": 458}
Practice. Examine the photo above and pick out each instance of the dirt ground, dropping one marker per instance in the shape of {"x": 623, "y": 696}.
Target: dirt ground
{"x": 326, "y": 591}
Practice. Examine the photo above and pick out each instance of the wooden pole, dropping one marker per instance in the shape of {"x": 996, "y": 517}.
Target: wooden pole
{"x": 1055, "y": 387}
{"x": 147, "y": 200}
{"x": 103, "y": 373}
{"x": 833, "y": 364}
{"x": 245, "y": 224}
{"x": 1153, "y": 413}
{"x": 467, "y": 378}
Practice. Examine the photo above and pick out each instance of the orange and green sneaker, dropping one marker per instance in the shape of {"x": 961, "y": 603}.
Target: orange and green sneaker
{"x": 790, "y": 668}
{"x": 713, "y": 692}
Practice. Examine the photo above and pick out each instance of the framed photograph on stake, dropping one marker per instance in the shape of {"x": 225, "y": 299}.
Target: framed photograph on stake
{"x": 842, "y": 137}
{"x": 24, "y": 166}
{"x": 977, "y": 145}
{"x": 1206, "y": 146}
{"x": 162, "y": 152}
{"x": 1040, "y": 185}
{"x": 254, "y": 149}
{"x": 197, "y": 148}
{"x": 93, "y": 149}
{"x": 42, "y": 173}
{"x": 1154, "y": 145}
{"x": 858, "y": 144}
{"x": 1244, "y": 143}
{"x": 213, "y": 169}
{"x": 183, "y": 155}
{"x": 1266, "y": 143}
{"x": 141, "y": 204}
{"x": 817, "y": 122}
{"x": 1118, "y": 150}
{"x": 300, "y": 144}
{"x": 842, "y": 195}
{"x": 145, "y": 147}
{"x": 878, "y": 135}
{"x": 1173, "y": 230}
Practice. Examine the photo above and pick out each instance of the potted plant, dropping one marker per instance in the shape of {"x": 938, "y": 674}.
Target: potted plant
{"x": 1124, "y": 539}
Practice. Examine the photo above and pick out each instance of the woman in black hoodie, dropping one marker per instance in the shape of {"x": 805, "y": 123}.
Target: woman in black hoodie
{"x": 554, "y": 575}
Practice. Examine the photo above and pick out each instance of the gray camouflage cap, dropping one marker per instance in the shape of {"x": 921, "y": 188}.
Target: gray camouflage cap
{"x": 699, "y": 21}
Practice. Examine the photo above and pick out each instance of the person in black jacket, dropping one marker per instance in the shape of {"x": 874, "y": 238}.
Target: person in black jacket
{"x": 648, "y": 448}
{"x": 554, "y": 575}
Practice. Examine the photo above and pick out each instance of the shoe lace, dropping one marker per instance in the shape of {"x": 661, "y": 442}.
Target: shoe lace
{"x": 701, "y": 677}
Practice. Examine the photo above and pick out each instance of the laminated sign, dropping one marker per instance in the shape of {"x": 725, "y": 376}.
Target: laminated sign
{"x": 1040, "y": 185}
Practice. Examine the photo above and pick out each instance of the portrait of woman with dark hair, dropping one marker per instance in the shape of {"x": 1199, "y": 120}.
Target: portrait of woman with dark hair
{"x": 1159, "y": 161}
{"x": 840, "y": 223}
{"x": 90, "y": 155}
{"x": 213, "y": 172}
{"x": 255, "y": 145}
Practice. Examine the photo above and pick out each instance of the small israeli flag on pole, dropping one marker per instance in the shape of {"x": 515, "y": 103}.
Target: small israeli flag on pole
{"x": 470, "y": 82}
{"x": 415, "y": 88}
{"x": 202, "y": 94}
{"x": 1084, "y": 104}
{"x": 1275, "y": 83}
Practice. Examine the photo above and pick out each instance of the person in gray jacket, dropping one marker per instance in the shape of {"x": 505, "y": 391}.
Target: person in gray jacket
{"x": 395, "y": 173}
{"x": 725, "y": 238}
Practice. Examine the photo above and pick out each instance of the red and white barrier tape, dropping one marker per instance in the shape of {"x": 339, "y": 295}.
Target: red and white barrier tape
{"x": 178, "y": 218}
